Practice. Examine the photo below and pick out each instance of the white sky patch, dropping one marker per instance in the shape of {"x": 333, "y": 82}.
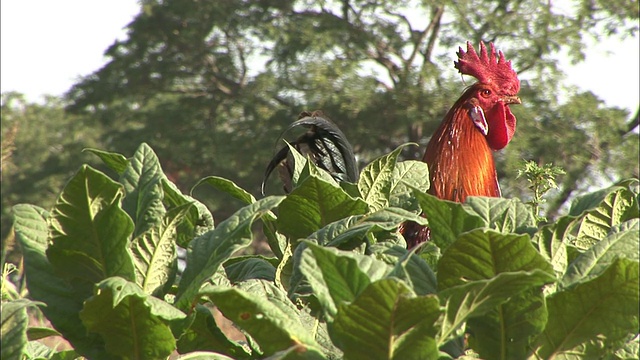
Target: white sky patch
{"x": 47, "y": 45}
{"x": 611, "y": 71}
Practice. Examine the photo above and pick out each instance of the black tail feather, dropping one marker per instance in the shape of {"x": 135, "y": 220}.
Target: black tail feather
{"x": 324, "y": 143}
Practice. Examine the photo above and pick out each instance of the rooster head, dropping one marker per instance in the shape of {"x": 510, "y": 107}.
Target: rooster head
{"x": 496, "y": 89}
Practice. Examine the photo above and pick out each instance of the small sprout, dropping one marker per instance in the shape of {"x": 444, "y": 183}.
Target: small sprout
{"x": 541, "y": 180}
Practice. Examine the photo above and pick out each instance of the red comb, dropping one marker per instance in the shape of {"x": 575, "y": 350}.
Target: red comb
{"x": 488, "y": 68}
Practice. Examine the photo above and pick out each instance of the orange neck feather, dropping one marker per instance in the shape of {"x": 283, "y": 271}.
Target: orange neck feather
{"x": 459, "y": 158}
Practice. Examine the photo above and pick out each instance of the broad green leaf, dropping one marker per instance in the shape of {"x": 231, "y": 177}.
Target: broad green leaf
{"x": 249, "y": 267}
{"x": 314, "y": 204}
{"x": 630, "y": 350}
{"x": 37, "y": 333}
{"x": 116, "y": 162}
{"x": 297, "y": 352}
{"x": 299, "y": 165}
{"x": 351, "y": 189}
{"x": 274, "y": 239}
{"x": 506, "y": 331}
{"x": 573, "y": 252}
{"x": 430, "y": 253}
{"x": 133, "y": 324}
{"x": 334, "y": 276}
{"x": 551, "y": 241}
{"x": 586, "y": 202}
{"x": 591, "y": 263}
{"x": 341, "y": 231}
{"x": 143, "y": 189}
{"x": 311, "y": 169}
{"x": 375, "y": 182}
{"x": 503, "y": 215}
{"x": 277, "y": 242}
{"x": 38, "y": 351}
{"x": 357, "y": 227}
{"x": 387, "y": 321}
{"x": 482, "y": 254}
{"x": 391, "y": 217}
{"x": 207, "y": 252}
{"x": 596, "y": 348}
{"x": 616, "y": 207}
{"x": 204, "y": 355}
{"x": 388, "y": 252}
{"x": 476, "y": 298}
{"x": 90, "y": 233}
{"x": 604, "y": 308}
{"x": 203, "y": 334}
{"x": 264, "y": 289}
{"x": 63, "y": 303}
{"x": 220, "y": 278}
{"x": 31, "y": 226}
{"x": 628, "y": 225}
{"x": 274, "y": 329}
{"x": 594, "y": 199}
{"x": 199, "y": 219}
{"x": 413, "y": 173}
{"x": 447, "y": 219}
{"x": 314, "y": 324}
{"x": 228, "y": 187}
{"x": 416, "y": 273}
{"x": 300, "y": 169}
{"x": 154, "y": 251}
{"x": 299, "y": 284}
{"x": 14, "y": 328}
{"x": 392, "y": 237}
{"x": 120, "y": 289}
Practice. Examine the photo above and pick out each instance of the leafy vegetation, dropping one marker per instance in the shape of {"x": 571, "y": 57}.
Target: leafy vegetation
{"x": 102, "y": 267}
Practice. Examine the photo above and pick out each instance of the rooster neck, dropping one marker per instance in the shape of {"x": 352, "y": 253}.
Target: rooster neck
{"x": 460, "y": 161}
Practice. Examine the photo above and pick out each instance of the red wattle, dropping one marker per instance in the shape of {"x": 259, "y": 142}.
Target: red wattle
{"x": 502, "y": 126}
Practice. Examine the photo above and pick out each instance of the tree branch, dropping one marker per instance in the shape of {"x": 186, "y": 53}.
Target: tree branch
{"x": 434, "y": 28}
{"x": 380, "y": 57}
{"x": 632, "y": 124}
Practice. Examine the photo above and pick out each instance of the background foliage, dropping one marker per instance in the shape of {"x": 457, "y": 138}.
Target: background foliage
{"x": 210, "y": 85}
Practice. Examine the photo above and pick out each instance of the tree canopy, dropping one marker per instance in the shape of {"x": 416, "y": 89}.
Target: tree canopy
{"x": 211, "y": 85}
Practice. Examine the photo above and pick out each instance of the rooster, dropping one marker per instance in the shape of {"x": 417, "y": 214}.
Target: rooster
{"x": 459, "y": 153}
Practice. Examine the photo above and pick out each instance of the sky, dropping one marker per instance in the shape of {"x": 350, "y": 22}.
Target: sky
{"x": 46, "y": 46}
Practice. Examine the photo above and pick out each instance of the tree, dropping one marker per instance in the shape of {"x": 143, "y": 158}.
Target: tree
{"x": 203, "y": 82}
{"x": 41, "y": 148}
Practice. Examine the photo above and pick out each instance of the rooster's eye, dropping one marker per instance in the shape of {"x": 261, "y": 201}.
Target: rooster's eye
{"x": 486, "y": 92}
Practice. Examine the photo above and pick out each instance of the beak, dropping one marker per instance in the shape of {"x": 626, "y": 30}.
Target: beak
{"x": 511, "y": 100}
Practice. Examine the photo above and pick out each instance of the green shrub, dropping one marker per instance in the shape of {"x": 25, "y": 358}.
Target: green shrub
{"x": 102, "y": 266}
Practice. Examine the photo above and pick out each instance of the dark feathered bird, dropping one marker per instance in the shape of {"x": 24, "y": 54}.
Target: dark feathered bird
{"x": 323, "y": 143}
